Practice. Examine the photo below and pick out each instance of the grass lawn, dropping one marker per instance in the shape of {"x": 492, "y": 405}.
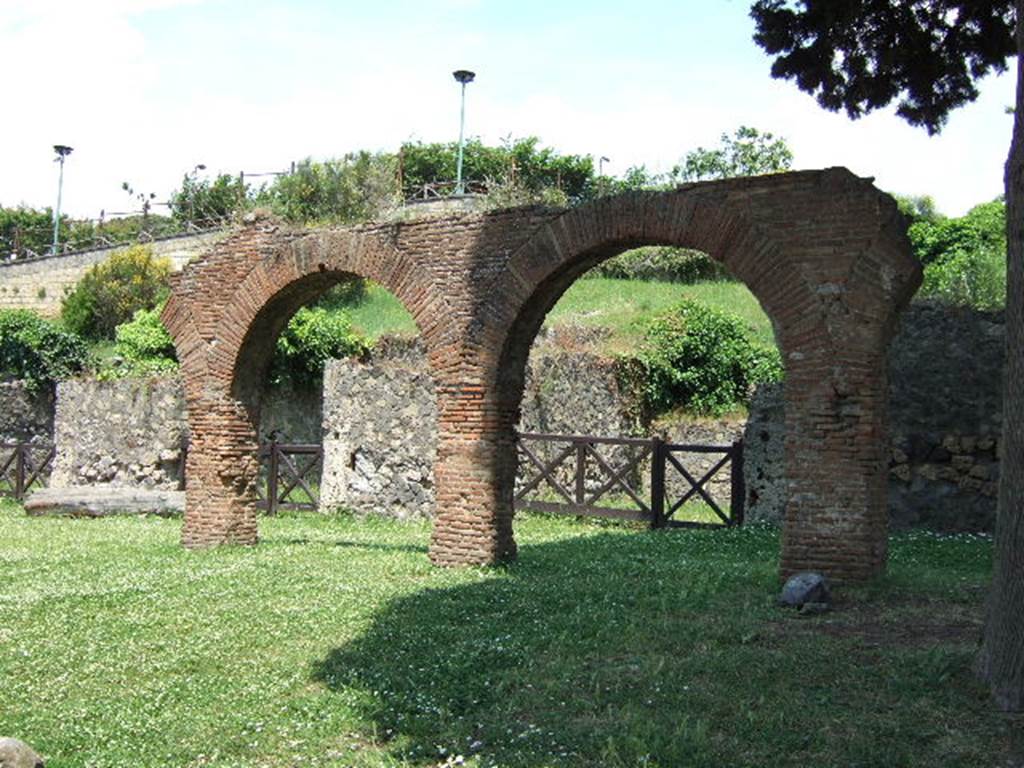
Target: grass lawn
{"x": 620, "y": 305}
{"x": 336, "y": 643}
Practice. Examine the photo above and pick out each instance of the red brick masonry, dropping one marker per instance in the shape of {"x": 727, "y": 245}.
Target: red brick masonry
{"x": 824, "y": 252}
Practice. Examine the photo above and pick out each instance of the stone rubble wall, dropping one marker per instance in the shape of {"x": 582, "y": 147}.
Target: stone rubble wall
{"x": 25, "y": 415}
{"x": 41, "y": 284}
{"x": 131, "y": 432}
{"x": 945, "y": 410}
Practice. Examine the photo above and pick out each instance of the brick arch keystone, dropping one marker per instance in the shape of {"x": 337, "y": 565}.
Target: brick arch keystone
{"x": 824, "y": 252}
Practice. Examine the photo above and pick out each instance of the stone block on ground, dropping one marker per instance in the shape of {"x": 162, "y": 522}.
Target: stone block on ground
{"x": 104, "y": 501}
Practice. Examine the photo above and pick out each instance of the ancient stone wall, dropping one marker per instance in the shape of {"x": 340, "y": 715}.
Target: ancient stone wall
{"x": 130, "y": 432}
{"x": 41, "y": 284}
{"x": 25, "y": 415}
{"x": 945, "y": 409}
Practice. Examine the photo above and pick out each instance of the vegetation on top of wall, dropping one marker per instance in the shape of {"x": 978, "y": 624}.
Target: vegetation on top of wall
{"x": 964, "y": 257}
{"x": 143, "y": 347}
{"x": 663, "y": 263}
{"x": 313, "y": 336}
{"x": 113, "y": 290}
{"x": 699, "y": 359}
{"x": 38, "y": 351}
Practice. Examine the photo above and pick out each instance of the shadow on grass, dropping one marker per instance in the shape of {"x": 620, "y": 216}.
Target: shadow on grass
{"x": 367, "y": 545}
{"x": 588, "y": 649}
{"x": 658, "y": 649}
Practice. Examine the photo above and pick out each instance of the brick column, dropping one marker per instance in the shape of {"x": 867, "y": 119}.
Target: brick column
{"x": 223, "y": 462}
{"x": 836, "y": 517}
{"x": 474, "y": 476}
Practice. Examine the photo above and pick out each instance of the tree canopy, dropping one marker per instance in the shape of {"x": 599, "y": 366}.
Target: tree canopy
{"x": 859, "y": 55}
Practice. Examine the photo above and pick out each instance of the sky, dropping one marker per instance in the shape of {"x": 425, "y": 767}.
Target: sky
{"x": 146, "y": 90}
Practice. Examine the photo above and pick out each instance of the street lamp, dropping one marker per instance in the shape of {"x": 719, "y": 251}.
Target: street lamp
{"x": 600, "y": 165}
{"x": 462, "y": 76}
{"x": 62, "y": 152}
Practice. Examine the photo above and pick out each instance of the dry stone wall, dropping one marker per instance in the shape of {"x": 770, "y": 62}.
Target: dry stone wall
{"x": 25, "y": 415}
{"x": 131, "y": 432}
{"x": 945, "y": 408}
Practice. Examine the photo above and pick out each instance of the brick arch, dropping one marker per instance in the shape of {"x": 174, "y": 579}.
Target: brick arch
{"x": 225, "y": 350}
{"x": 832, "y": 291}
{"x": 824, "y": 252}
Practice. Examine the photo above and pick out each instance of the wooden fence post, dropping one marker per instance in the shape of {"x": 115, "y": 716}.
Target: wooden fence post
{"x": 738, "y": 486}
{"x": 657, "y": 483}
{"x": 272, "y": 480}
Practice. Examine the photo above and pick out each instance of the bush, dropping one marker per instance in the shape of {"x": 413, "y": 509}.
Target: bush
{"x": 38, "y": 351}
{"x": 699, "y": 359}
{"x": 975, "y": 278}
{"x": 676, "y": 265}
{"x": 314, "y": 336}
{"x": 112, "y": 291}
{"x": 143, "y": 348}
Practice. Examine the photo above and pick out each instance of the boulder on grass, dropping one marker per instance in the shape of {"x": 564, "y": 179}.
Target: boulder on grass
{"x": 18, "y": 754}
{"x": 806, "y": 587}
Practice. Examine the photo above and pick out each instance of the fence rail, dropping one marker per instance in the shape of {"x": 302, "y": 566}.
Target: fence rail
{"x": 580, "y": 476}
{"x": 290, "y": 483}
{"x": 22, "y": 466}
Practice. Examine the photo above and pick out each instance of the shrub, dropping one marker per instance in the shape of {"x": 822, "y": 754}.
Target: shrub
{"x": 975, "y": 277}
{"x": 700, "y": 359}
{"x": 143, "y": 348}
{"x": 38, "y": 351}
{"x": 112, "y": 291}
{"x": 677, "y": 265}
{"x": 314, "y": 336}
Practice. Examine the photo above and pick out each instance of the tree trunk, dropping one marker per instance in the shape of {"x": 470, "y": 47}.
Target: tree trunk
{"x": 1001, "y": 662}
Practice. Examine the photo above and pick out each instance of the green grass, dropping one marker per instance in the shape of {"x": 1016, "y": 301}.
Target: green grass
{"x": 380, "y": 313}
{"x": 336, "y": 643}
{"x": 620, "y": 305}
{"x": 623, "y": 305}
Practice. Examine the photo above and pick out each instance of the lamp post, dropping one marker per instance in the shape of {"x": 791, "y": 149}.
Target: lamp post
{"x": 62, "y": 152}
{"x": 600, "y": 165}
{"x": 462, "y": 76}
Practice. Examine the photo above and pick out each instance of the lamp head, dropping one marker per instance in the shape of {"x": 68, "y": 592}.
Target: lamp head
{"x": 463, "y": 76}
{"x": 62, "y": 150}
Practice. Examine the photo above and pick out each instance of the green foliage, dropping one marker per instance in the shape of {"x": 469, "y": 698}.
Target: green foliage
{"x": 144, "y": 347}
{"x": 918, "y": 208}
{"x": 984, "y": 226}
{"x": 859, "y": 56}
{"x": 700, "y": 359}
{"x": 201, "y": 201}
{"x": 677, "y": 265}
{"x": 964, "y": 258}
{"x": 975, "y": 277}
{"x": 313, "y": 336}
{"x": 748, "y": 152}
{"x": 112, "y": 291}
{"x": 38, "y": 351}
{"x": 346, "y": 294}
{"x": 24, "y": 230}
{"x": 359, "y": 186}
{"x": 518, "y": 171}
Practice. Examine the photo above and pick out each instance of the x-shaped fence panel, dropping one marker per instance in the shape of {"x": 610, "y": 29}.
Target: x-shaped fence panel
{"x": 605, "y": 477}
